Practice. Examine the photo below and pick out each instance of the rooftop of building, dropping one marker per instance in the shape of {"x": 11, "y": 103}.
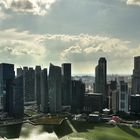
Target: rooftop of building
{"x": 6, "y": 64}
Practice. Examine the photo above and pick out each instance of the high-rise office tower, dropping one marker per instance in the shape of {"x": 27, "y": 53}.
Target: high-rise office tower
{"x": 19, "y": 71}
{"x": 7, "y": 76}
{"x": 123, "y": 96}
{"x": 78, "y": 93}
{"x": 67, "y": 88}
{"x": 55, "y": 89}
{"x": 101, "y": 80}
{"x": 136, "y": 76}
{"x": 29, "y": 85}
{"x": 44, "y": 91}
{"x": 113, "y": 94}
{"x": 18, "y": 103}
{"x": 38, "y": 85}
{"x": 135, "y": 104}
{"x": 9, "y": 99}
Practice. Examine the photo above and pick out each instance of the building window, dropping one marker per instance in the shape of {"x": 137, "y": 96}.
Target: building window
{"x": 122, "y": 96}
{"x": 122, "y": 105}
{"x": 123, "y": 88}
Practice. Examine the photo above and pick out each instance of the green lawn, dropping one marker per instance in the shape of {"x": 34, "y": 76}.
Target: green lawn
{"x": 90, "y": 131}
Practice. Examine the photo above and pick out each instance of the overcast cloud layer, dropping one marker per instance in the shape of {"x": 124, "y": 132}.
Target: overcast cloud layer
{"x": 37, "y": 32}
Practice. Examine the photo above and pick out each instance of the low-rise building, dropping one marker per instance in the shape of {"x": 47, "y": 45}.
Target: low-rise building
{"x": 93, "y": 102}
{"x": 135, "y": 103}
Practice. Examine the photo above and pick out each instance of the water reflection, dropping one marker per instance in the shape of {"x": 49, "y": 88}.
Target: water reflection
{"x": 39, "y": 132}
{"x": 31, "y": 132}
{"x": 10, "y": 131}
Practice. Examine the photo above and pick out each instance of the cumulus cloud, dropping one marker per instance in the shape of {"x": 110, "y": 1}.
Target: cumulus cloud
{"x": 24, "y": 48}
{"x": 3, "y": 15}
{"x": 86, "y": 49}
{"x": 20, "y": 47}
{"x": 36, "y": 7}
{"x": 91, "y": 46}
{"x": 133, "y": 2}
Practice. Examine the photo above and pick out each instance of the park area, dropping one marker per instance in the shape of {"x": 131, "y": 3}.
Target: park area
{"x": 70, "y": 130}
{"x": 89, "y": 131}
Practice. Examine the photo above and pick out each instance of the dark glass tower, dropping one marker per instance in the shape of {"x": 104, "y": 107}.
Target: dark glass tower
{"x": 136, "y": 76}
{"x": 19, "y": 71}
{"x": 55, "y": 89}
{"x": 38, "y": 85}
{"x": 67, "y": 89}
{"x": 78, "y": 92}
{"x": 101, "y": 80}
{"x": 7, "y": 76}
{"x": 29, "y": 85}
{"x": 18, "y": 97}
{"x": 44, "y": 91}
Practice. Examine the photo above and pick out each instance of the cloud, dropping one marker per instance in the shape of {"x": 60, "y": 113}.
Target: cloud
{"x": 22, "y": 5}
{"x": 93, "y": 46}
{"x": 20, "y": 48}
{"x": 133, "y": 2}
{"x": 86, "y": 49}
{"x": 3, "y": 15}
{"x": 23, "y": 48}
{"x": 36, "y": 7}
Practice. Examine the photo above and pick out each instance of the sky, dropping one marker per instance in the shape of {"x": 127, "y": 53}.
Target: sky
{"x": 40, "y": 32}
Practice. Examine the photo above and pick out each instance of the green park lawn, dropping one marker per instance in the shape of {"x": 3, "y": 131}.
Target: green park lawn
{"x": 103, "y": 132}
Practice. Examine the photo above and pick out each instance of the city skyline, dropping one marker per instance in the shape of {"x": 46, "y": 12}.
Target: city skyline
{"x": 72, "y": 73}
{"x": 37, "y": 32}
{"x": 36, "y": 98}
{"x": 69, "y": 69}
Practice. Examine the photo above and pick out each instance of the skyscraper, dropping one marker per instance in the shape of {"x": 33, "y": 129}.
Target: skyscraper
{"x": 136, "y": 76}
{"x": 44, "y": 91}
{"x": 135, "y": 104}
{"x": 113, "y": 94}
{"x": 9, "y": 99}
{"x": 38, "y": 85}
{"x": 101, "y": 80}
{"x": 18, "y": 103}
{"x": 66, "y": 79}
{"x": 55, "y": 89}
{"x": 93, "y": 102}
{"x": 29, "y": 85}
{"x": 7, "y": 76}
{"x": 19, "y": 71}
{"x": 78, "y": 93}
{"x": 123, "y": 96}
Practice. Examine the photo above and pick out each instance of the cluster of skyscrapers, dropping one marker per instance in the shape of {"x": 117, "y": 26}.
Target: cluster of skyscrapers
{"x": 11, "y": 91}
{"x": 54, "y": 90}
{"x": 118, "y": 94}
{"x": 51, "y": 93}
